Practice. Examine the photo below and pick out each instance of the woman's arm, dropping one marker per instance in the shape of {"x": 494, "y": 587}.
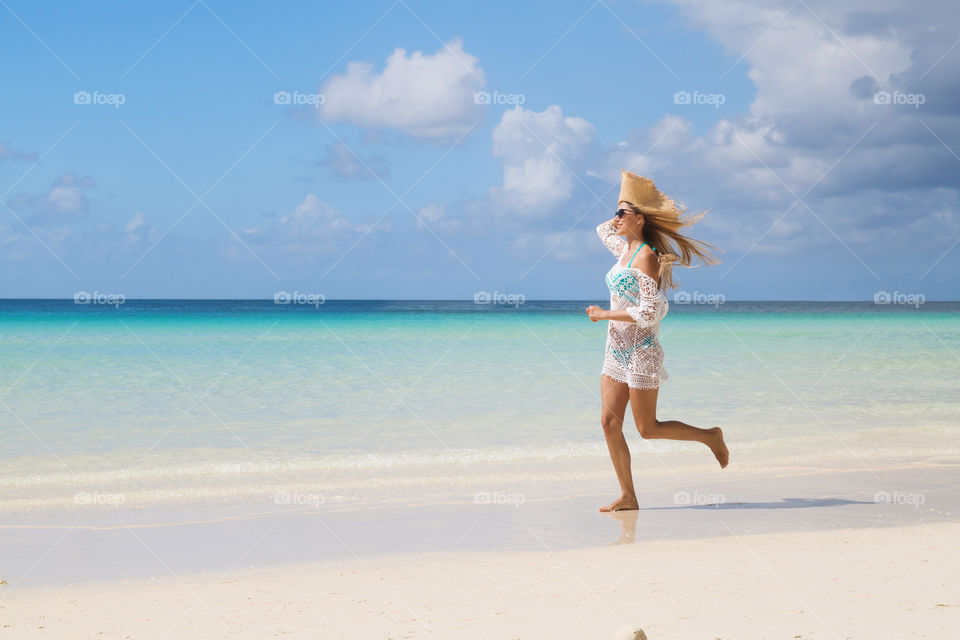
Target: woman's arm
{"x": 608, "y": 235}
{"x": 622, "y": 316}
{"x": 644, "y": 315}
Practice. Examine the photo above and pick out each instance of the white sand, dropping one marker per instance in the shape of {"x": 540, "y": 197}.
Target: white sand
{"x": 877, "y": 583}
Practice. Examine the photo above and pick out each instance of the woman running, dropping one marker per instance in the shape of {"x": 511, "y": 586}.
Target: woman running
{"x": 633, "y": 363}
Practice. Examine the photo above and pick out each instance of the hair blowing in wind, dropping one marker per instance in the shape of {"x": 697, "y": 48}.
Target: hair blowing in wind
{"x": 662, "y": 230}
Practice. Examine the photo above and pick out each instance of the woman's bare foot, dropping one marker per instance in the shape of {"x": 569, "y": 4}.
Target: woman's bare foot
{"x": 719, "y": 447}
{"x": 623, "y": 503}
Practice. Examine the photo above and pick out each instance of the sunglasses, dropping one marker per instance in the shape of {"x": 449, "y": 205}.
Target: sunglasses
{"x": 622, "y": 212}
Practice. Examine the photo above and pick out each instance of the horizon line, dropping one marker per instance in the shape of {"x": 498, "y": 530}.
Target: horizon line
{"x": 430, "y": 300}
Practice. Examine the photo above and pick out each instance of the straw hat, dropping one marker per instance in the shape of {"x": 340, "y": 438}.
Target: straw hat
{"x": 643, "y": 194}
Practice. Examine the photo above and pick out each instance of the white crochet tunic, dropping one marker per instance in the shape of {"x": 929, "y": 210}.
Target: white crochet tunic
{"x": 633, "y": 353}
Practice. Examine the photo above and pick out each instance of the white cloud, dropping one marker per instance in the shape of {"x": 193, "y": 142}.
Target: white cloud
{"x": 543, "y": 155}
{"x": 435, "y": 217}
{"x": 65, "y": 202}
{"x": 646, "y": 150}
{"x": 312, "y": 218}
{"x": 425, "y": 96}
{"x": 139, "y": 230}
{"x": 102, "y": 247}
{"x": 814, "y": 99}
{"x": 797, "y": 64}
{"x": 313, "y": 231}
{"x": 815, "y": 68}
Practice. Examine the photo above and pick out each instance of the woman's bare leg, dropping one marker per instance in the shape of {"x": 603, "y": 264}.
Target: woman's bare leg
{"x": 644, "y": 403}
{"x": 614, "y": 397}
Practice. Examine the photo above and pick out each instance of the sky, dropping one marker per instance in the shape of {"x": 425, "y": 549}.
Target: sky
{"x": 433, "y": 150}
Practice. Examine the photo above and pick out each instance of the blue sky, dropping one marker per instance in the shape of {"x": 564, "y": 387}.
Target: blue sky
{"x": 184, "y": 177}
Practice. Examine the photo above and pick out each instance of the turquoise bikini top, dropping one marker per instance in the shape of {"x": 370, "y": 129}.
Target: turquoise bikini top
{"x": 636, "y": 252}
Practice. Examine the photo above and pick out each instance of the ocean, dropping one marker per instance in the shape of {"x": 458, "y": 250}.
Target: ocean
{"x": 176, "y": 403}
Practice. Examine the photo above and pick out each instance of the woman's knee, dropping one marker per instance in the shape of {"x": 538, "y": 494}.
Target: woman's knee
{"x": 648, "y": 430}
{"x": 611, "y": 423}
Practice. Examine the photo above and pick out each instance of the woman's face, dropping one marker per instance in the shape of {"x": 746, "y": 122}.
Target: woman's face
{"x": 630, "y": 221}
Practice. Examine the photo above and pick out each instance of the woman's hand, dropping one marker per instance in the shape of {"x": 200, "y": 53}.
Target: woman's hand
{"x": 596, "y": 313}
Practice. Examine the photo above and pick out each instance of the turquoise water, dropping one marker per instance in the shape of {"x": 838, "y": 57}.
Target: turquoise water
{"x": 199, "y": 400}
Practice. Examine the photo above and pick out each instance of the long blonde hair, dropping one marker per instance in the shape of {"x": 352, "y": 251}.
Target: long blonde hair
{"x": 661, "y": 230}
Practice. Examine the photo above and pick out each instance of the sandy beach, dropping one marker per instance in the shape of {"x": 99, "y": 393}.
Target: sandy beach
{"x": 898, "y": 582}
{"x": 862, "y": 552}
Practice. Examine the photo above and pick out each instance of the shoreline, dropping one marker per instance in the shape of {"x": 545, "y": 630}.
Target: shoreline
{"x": 561, "y": 513}
{"x": 25, "y": 498}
